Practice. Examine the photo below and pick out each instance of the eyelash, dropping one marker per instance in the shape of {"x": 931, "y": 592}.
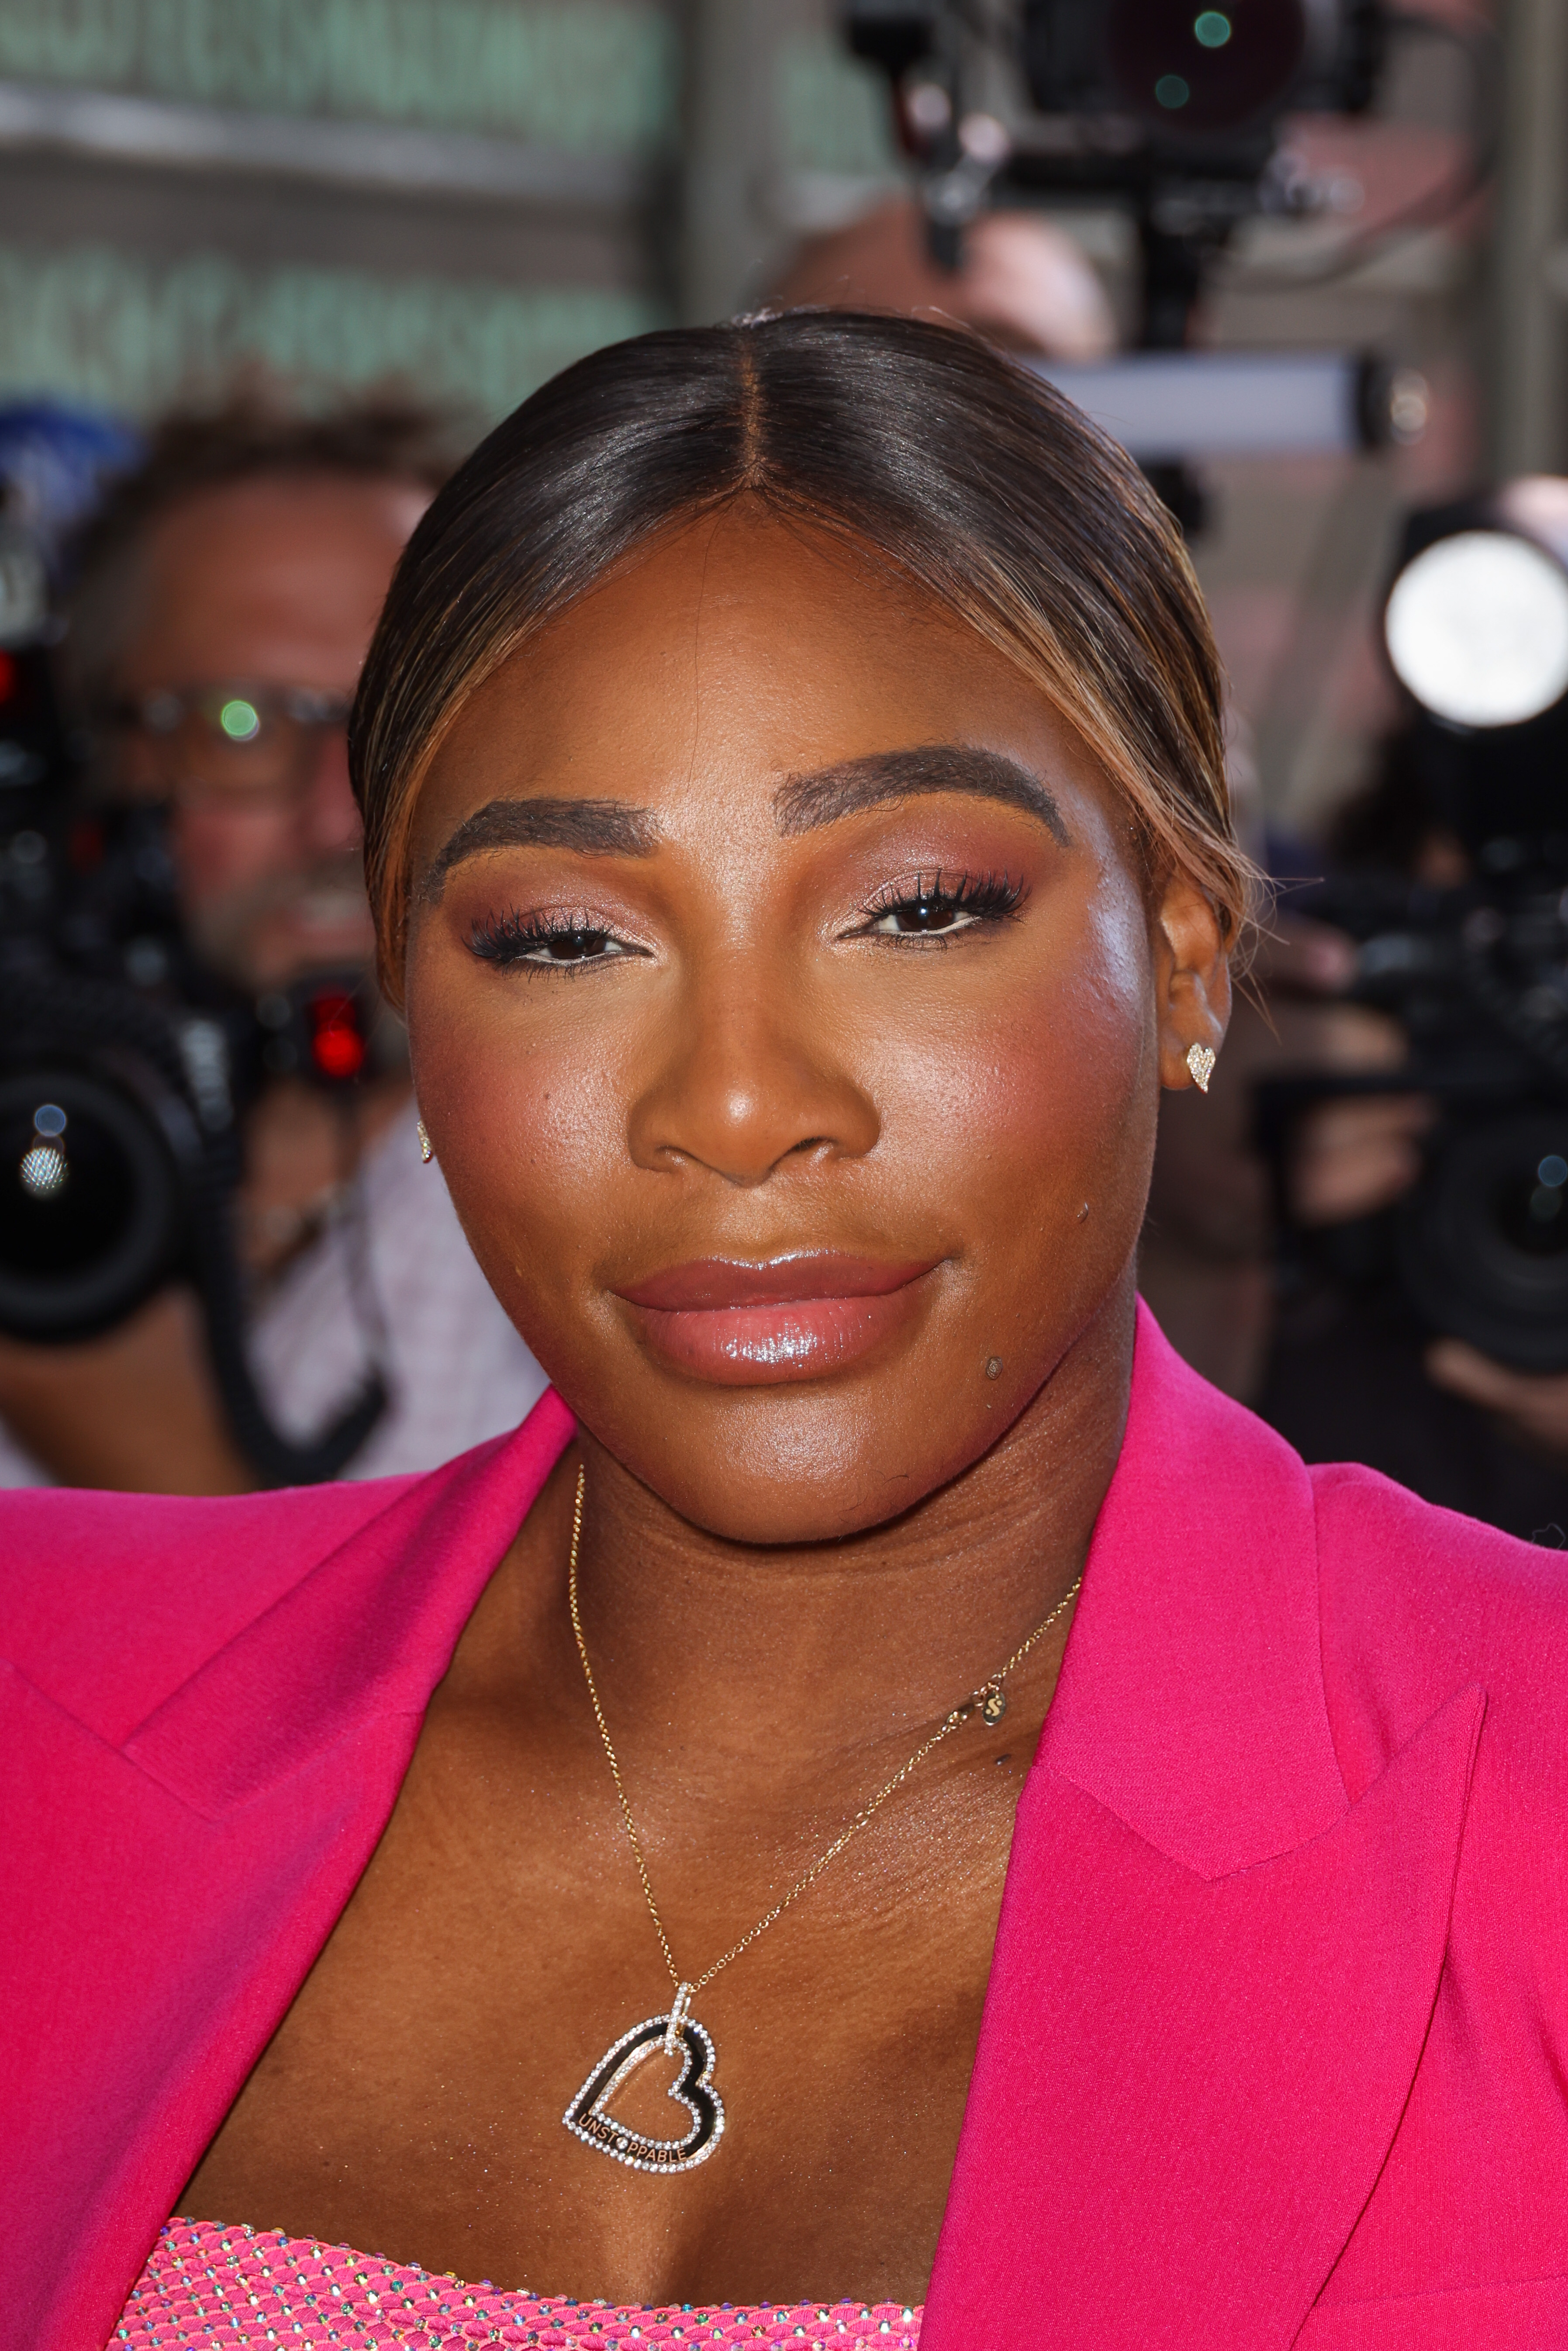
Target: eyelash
{"x": 518, "y": 938}
{"x": 960, "y": 903}
{"x": 979, "y": 898}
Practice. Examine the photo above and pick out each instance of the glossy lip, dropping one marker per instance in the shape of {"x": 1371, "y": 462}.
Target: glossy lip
{"x": 794, "y": 1318}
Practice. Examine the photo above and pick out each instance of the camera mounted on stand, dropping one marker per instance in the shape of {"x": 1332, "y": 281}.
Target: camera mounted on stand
{"x": 1170, "y": 108}
{"x": 1172, "y": 112}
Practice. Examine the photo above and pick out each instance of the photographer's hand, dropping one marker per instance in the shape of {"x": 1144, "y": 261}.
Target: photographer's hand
{"x": 1357, "y": 1154}
{"x": 135, "y": 1409}
{"x": 1534, "y": 1404}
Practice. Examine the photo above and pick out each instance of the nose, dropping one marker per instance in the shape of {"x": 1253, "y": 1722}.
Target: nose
{"x": 330, "y": 815}
{"x": 752, "y": 1083}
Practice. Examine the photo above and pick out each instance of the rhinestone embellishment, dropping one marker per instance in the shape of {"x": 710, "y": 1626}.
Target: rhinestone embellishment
{"x": 589, "y": 2116}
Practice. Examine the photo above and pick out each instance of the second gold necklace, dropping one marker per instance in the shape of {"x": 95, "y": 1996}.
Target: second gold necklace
{"x": 677, "y": 2033}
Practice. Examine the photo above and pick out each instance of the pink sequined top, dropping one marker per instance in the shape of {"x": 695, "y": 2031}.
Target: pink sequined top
{"x": 238, "y": 2289}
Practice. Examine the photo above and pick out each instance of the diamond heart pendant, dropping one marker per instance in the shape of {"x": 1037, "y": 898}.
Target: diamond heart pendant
{"x": 678, "y": 2034}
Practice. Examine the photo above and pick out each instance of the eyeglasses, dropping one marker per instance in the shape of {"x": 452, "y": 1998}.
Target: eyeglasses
{"x": 234, "y": 745}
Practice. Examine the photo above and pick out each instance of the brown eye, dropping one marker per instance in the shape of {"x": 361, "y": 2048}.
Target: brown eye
{"x": 925, "y": 915}
{"x": 574, "y": 946}
{"x": 940, "y": 905}
{"x": 543, "y": 941}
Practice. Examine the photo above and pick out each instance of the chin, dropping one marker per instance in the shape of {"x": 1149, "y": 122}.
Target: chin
{"x": 802, "y": 1463}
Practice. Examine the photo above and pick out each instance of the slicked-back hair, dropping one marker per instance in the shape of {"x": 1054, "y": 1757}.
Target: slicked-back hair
{"x": 971, "y": 479}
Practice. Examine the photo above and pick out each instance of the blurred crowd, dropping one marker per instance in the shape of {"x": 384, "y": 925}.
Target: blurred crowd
{"x": 238, "y": 565}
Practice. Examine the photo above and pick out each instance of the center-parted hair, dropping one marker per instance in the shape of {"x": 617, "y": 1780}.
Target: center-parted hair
{"x": 968, "y": 476}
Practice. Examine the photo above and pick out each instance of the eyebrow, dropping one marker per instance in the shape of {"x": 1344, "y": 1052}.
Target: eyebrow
{"x": 879, "y": 780}
{"x": 595, "y": 828}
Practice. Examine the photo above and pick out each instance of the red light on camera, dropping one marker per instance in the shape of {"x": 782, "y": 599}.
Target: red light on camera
{"x": 338, "y": 1045}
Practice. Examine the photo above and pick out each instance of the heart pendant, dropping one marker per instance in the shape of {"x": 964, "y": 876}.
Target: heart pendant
{"x": 589, "y": 2114}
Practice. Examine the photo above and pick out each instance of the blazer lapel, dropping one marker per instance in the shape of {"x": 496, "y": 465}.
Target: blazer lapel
{"x": 227, "y": 1833}
{"x": 1213, "y": 1974}
{"x": 369, "y": 1631}
{"x": 1185, "y": 2087}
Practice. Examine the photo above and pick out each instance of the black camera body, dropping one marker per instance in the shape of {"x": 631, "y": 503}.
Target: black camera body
{"x": 1170, "y": 107}
{"x": 126, "y": 1071}
{"x": 1091, "y": 59}
{"x": 1478, "y": 978}
{"x": 1104, "y": 62}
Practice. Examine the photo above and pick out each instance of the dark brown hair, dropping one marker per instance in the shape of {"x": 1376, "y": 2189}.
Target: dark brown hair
{"x": 255, "y": 432}
{"x": 975, "y": 480}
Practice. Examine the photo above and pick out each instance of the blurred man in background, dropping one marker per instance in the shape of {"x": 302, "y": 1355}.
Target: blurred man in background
{"x": 224, "y": 598}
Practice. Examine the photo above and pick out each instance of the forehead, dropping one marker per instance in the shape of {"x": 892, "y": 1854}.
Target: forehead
{"x": 741, "y": 649}
{"x": 287, "y": 563}
{"x": 275, "y": 517}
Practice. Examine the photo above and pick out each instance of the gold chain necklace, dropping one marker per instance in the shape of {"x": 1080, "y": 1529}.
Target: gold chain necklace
{"x": 677, "y": 2032}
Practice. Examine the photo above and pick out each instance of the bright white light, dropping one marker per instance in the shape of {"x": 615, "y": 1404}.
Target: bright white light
{"x": 43, "y": 1170}
{"x": 1476, "y": 629}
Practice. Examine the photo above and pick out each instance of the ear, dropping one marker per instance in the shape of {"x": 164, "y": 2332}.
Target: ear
{"x": 1192, "y": 978}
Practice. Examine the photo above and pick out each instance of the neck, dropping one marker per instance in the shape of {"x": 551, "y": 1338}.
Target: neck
{"x": 804, "y": 1655}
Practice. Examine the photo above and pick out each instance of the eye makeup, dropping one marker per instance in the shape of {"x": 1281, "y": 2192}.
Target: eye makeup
{"x": 940, "y": 906}
{"x": 928, "y": 907}
{"x": 552, "y": 939}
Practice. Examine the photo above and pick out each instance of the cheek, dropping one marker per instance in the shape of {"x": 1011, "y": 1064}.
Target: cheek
{"x": 1041, "y": 1094}
{"x": 530, "y": 1130}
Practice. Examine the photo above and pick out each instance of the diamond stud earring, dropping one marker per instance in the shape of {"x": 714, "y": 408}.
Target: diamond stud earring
{"x": 1199, "y": 1061}
{"x": 427, "y": 1154}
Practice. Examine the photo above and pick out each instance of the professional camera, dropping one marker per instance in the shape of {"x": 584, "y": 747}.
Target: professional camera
{"x": 125, "y": 1072}
{"x": 1171, "y": 108}
{"x": 1173, "y": 113}
{"x": 1476, "y": 628}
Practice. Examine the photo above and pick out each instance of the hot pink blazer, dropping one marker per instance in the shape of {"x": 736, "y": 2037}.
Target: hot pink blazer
{"x": 1276, "y": 2045}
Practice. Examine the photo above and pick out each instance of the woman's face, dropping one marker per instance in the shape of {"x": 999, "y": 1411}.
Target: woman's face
{"x": 788, "y": 1015}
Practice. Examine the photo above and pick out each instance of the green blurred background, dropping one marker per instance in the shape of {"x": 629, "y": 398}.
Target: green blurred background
{"x": 466, "y": 192}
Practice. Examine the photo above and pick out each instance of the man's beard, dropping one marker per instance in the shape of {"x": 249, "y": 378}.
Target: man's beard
{"x": 286, "y": 927}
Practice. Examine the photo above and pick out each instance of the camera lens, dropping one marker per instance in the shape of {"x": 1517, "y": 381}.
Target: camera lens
{"x": 1195, "y": 70}
{"x": 1530, "y": 1207}
{"x": 1484, "y": 1240}
{"x": 88, "y": 1204}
